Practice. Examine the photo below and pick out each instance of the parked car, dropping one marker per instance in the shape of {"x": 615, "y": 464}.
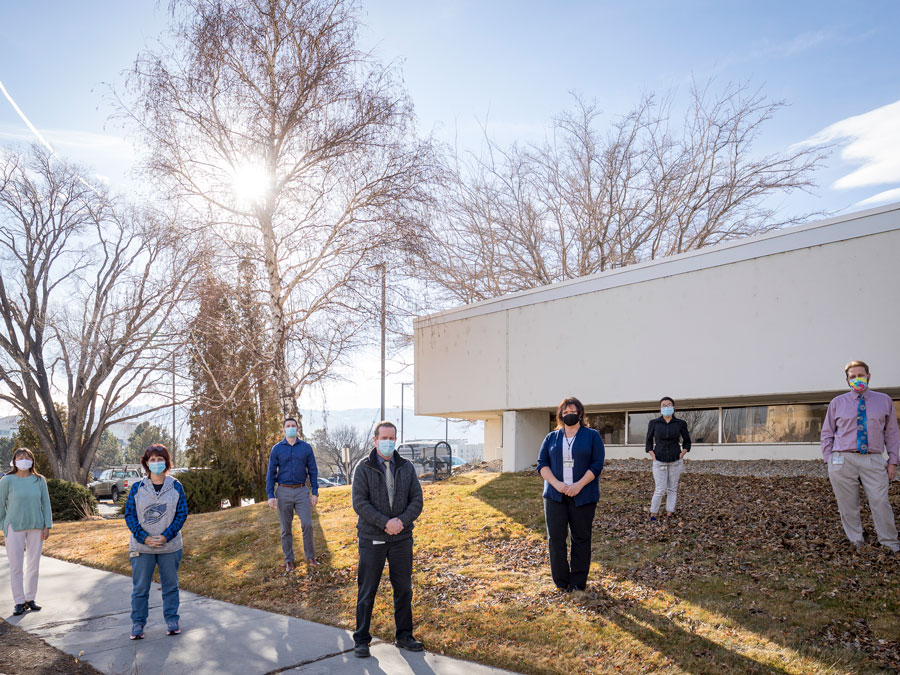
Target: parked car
{"x": 115, "y": 482}
{"x": 326, "y": 483}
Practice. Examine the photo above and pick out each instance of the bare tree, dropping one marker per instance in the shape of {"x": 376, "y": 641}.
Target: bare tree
{"x": 330, "y": 445}
{"x": 587, "y": 201}
{"x": 274, "y": 95}
{"x": 88, "y": 298}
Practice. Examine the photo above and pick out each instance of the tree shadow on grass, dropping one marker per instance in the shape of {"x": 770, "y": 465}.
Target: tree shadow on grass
{"x": 692, "y": 652}
{"x": 768, "y": 537}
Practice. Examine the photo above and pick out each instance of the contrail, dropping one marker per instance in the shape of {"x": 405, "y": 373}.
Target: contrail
{"x": 38, "y": 134}
{"x": 26, "y": 120}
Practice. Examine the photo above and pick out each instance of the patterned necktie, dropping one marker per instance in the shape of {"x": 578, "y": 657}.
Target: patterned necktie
{"x": 862, "y": 432}
{"x": 389, "y": 479}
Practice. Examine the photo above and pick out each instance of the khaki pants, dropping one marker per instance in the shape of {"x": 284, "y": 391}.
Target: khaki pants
{"x": 871, "y": 470}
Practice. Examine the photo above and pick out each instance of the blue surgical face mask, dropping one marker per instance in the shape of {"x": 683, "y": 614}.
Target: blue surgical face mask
{"x": 290, "y": 432}
{"x": 386, "y": 447}
{"x": 156, "y": 467}
{"x": 667, "y": 411}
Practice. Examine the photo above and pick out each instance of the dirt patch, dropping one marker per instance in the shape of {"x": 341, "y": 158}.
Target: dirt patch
{"x": 24, "y": 654}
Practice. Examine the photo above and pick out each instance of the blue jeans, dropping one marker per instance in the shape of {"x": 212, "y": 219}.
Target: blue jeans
{"x": 142, "y": 574}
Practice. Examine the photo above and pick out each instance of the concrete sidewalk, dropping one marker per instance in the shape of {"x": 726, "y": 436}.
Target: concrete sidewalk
{"x": 86, "y": 613}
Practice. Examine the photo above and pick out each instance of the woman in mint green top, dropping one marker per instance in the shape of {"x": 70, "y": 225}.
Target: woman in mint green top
{"x": 25, "y": 520}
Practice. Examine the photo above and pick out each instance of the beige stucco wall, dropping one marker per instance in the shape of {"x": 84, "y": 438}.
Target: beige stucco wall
{"x": 772, "y": 326}
{"x": 771, "y": 319}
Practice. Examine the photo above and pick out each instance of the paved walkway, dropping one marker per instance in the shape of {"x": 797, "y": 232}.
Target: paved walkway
{"x": 86, "y": 613}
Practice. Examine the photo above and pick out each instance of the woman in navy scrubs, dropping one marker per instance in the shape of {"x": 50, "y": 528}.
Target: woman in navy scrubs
{"x": 570, "y": 463}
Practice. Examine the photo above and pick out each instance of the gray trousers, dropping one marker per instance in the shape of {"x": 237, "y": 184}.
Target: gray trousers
{"x": 290, "y": 501}
{"x": 870, "y": 470}
{"x": 666, "y": 476}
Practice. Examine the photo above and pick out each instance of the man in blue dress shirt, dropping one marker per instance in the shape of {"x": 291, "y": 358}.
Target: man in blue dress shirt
{"x": 291, "y": 476}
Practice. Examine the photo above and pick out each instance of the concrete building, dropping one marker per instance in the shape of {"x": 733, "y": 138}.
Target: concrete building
{"x": 749, "y": 337}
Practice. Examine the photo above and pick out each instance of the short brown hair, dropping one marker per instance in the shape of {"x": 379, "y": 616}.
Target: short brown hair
{"x": 156, "y": 450}
{"x": 384, "y": 423}
{"x": 855, "y": 364}
{"x": 566, "y": 402}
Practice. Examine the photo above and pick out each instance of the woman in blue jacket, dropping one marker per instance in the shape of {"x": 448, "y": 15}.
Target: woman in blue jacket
{"x": 570, "y": 463}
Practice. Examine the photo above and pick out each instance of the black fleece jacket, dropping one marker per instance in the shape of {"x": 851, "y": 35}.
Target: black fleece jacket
{"x": 371, "y": 503}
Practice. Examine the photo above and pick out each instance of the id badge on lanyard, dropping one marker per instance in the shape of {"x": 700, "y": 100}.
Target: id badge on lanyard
{"x": 568, "y": 461}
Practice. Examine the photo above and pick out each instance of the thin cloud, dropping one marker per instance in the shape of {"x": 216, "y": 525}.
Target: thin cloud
{"x": 871, "y": 141}
{"x": 881, "y": 198}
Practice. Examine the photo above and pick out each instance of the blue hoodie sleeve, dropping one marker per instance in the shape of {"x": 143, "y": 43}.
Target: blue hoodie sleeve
{"x": 181, "y": 514}
{"x": 131, "y": 517}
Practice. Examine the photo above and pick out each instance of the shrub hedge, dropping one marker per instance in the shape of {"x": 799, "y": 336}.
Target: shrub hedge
{"x": 205, "y": 489}
{"x": 70, "y": 501}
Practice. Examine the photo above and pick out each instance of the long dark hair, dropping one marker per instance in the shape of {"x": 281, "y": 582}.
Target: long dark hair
{"x": 30, "y": 455}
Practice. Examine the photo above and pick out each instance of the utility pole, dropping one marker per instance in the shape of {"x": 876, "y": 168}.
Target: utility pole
{"x": 383, "y": 268}
{"x": 403, "y": 386}
{"x": 383, "y": 323}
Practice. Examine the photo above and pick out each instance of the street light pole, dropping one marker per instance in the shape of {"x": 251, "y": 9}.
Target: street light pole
{"x": 403, "y": 386}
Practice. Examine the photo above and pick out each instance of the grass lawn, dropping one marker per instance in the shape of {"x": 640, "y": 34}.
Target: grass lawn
{"x": 753, "y": 577}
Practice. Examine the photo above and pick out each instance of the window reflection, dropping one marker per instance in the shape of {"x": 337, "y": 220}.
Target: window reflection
{"x": 795, "y": 423}
{"x": 703, "y": 425}
{"x": 610, "y": 425}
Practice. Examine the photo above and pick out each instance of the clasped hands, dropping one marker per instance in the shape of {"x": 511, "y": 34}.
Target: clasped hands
{"x": 155, "y": 541}
{"x": 569, "y": 490}
{"x": 394, "y": 526}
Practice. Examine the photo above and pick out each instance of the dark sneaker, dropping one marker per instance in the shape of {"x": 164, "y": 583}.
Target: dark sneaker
{"x": 33, "y": 607}
{"x": 172, "y": 628}
{"x": 410, "y": 644}
{"x": 361, "y": 651}
{"x": 18, "y": 610}
{"x": 137, "y": 632}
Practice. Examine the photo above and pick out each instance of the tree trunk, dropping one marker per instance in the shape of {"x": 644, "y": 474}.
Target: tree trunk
{"x": 286, "y": 393}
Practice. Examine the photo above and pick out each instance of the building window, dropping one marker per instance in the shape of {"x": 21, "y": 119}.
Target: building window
{"x": 795, "y": 423}
{"x": 703, "y": 425}
{"x": 610, "y": 425}
{"x": 637, "y": 426}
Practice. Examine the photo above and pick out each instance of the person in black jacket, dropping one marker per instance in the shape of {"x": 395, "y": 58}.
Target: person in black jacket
{"x": 663, "y": 434}
{"x": 387, "y": 498}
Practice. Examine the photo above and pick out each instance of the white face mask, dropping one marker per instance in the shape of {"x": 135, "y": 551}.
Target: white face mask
{"x": 24, "y": 464}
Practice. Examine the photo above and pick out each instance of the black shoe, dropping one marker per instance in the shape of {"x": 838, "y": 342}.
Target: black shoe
{"x": 410, "y": 644}
{"x": 33, "y": 607}
{"x": 18, "y": 610}
{"x": 361, "y": 651}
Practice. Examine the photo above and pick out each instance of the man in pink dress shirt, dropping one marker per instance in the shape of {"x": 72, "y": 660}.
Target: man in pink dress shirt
{"x": 854, "y": 451}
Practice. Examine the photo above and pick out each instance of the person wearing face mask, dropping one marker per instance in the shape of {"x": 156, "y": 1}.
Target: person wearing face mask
{"x": 155, "y": 511}
{"x": 663, "y": 434}
{"x": 570, "y": 462}
{"x": 859, "y": 427}
{"x": 25, "y": 520}
{"x": 292, "y": 485}
{"x": 387, "y": 498}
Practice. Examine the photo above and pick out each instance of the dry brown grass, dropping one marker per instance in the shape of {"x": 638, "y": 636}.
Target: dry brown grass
{"x": 752, "y": 578}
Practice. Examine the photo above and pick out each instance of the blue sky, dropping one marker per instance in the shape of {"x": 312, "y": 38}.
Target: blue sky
{"x": 513, "y": 65}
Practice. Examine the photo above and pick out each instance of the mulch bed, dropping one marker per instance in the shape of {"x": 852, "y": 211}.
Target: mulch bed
{"x": 24, "y": 654}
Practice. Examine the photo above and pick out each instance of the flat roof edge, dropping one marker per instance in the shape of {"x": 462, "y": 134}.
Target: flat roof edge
{"x": 817, "y": 233}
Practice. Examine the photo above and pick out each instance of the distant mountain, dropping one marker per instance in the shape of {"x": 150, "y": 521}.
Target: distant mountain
{"x": 413, "y": 426}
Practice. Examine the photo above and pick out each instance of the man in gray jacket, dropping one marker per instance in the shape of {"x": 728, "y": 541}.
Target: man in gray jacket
{"x": 387, "y": 498}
